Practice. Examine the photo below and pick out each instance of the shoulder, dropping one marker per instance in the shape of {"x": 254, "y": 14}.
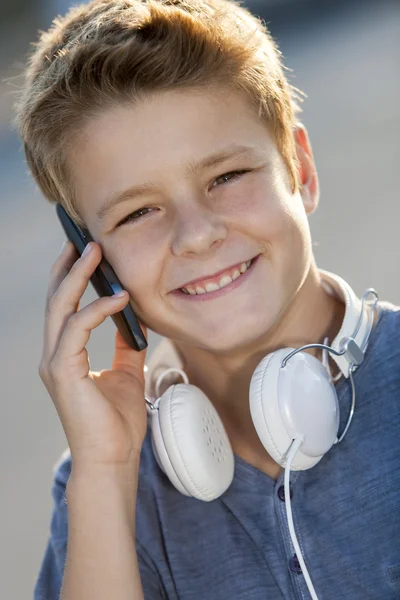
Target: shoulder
{"x": 385, "y": 335}
{"x": 381, "y": 367}
{"x": 389, "y": 312}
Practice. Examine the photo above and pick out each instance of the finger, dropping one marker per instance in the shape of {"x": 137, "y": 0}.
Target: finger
{"x": 126, "y": 358}
{"x": 67, "y": 257}
{"x": 73, "y": 272}
{"x": 69, "y": 281}
{"x": 61, "y": 267}
{"x": 71, "y": 355}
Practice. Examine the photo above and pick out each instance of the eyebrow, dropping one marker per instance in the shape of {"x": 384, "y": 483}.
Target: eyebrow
{"x": 191, "y": 168}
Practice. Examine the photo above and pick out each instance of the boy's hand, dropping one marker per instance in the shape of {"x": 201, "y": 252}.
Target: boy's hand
{"x": 103, "y": 413}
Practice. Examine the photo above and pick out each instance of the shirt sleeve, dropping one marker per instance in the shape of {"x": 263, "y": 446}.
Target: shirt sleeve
{"x": 151, "y": 581}
{"x": 49, "y": 580}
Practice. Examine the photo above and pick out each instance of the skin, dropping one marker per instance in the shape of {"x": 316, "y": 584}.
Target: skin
{"x": 200, "y": 223}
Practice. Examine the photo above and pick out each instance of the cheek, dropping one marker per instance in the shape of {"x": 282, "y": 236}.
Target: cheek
{"x": 263, "y": 211}
{"x": 138, "y": 266}
{"x": 277, "y": 219}
{"x": 298, "y": 225}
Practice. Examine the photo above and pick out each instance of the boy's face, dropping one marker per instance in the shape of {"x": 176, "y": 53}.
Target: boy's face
{"x": 197, "y": 220}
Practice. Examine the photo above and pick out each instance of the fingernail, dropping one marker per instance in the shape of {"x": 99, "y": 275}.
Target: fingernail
{"x": 87, "y": 249}
{"x": 118, "y": 294}
{"x": 64, "y": 244}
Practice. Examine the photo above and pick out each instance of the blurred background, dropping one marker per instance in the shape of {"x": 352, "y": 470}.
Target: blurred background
{"x": 345, "y": 57}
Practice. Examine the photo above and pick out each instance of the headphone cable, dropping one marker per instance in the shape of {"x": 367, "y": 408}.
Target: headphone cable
{"x": 291, "y": 454}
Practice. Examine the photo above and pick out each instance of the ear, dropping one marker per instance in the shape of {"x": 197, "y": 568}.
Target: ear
{"x": 308, "y": 177}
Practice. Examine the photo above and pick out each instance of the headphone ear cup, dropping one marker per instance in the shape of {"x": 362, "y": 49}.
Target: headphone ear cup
{"x": 298, "y": 399}
{"x": 161, "y": 454}
{"x": 191, "y": 444}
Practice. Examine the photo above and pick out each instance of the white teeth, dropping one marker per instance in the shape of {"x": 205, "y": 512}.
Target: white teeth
{"x": 235, "y": 275}
{"x": 212, "y": 287}
{"x": 225, "y": 280}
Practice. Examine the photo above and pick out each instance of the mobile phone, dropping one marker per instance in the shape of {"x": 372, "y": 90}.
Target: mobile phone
{"x": 105, "y": 282}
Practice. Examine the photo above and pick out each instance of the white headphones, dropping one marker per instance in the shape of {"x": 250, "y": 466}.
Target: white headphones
{"x": 292, "y": 397}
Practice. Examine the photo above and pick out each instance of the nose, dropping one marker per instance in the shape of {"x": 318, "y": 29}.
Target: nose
{"x": 197, "y": 230}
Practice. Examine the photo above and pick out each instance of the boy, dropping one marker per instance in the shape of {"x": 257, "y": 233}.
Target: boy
{"x": 168, "y": 129}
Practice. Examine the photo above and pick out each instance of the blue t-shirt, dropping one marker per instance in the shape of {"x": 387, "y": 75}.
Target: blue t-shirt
{"x": 346, "y": 511}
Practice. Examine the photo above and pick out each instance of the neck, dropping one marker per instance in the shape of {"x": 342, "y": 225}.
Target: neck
{"x": 312, "y": 316}
{"x": 225, "y": 378}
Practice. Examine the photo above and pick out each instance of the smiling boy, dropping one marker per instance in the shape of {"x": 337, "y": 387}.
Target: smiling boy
{"x": 168, "y": 129}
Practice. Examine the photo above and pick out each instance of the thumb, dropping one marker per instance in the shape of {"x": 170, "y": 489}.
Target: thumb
{"x": 127, "y": 359}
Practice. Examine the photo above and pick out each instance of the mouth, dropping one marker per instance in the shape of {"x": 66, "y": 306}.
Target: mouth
{"x": 227, "y": 282}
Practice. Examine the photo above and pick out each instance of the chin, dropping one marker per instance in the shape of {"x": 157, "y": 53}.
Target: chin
{"x": 237, "y": 337}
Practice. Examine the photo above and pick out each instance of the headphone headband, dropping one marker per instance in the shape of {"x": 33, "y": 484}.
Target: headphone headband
{"x": 353, "y": 306}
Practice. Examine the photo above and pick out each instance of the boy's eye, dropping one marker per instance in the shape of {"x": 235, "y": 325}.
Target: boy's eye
{"x": 228, "y": 177}
{"x": 139, "y": 214}
{"x": 134, "y": 216}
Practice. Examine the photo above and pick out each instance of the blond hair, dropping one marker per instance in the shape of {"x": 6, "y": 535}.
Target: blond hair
{"x": 116, "y": 51}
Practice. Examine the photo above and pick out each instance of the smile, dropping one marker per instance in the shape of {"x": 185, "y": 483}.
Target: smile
{"x": 227, "y": 281}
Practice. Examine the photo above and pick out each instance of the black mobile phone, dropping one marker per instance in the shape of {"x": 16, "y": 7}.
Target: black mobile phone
{"x": 105, "y": 282}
